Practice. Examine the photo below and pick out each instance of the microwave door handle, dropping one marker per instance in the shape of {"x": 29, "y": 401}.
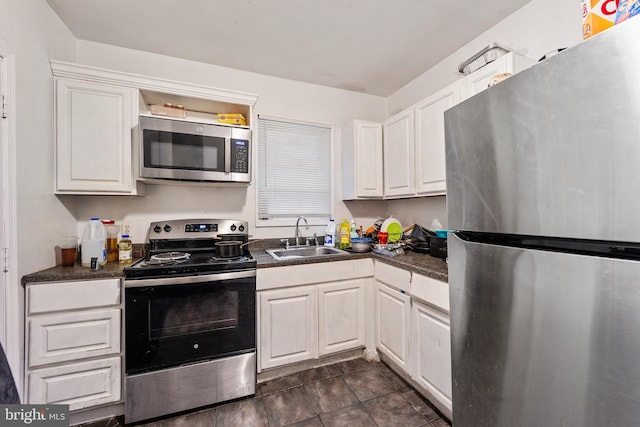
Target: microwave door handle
{"x": 227, "y": 155}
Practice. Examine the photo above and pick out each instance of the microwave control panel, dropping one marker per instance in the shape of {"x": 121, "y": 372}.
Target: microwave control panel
{"x": 239, "y": 156}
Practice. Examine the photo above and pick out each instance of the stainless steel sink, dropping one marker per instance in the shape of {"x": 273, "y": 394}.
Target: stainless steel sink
{"x": 304, "y": 252}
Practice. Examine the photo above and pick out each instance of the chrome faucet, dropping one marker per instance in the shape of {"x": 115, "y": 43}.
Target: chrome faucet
{"x": 298, "y": 229}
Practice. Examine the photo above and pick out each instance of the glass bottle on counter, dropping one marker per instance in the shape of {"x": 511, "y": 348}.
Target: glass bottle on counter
{"x": 125, "y": 250}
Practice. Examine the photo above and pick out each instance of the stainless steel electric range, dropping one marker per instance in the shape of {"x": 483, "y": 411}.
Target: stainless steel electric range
{"x": 190, "y": 325}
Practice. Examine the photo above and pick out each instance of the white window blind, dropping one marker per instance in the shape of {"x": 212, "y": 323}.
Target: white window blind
{"x": 294, "y": 170}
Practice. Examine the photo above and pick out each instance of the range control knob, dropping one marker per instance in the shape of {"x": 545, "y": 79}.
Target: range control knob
{"x": 241, "y": 228}
{"x": 157, "y": 229}
{"x": 167, "y": 228}
{"x": 233, "y": 227}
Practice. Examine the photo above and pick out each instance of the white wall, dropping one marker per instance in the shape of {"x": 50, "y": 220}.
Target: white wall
{"x": 534, "y": 30}
{"x": 275, "y": 97}
{"x": 30, "y": 33}
{"x": 34, "y": 33}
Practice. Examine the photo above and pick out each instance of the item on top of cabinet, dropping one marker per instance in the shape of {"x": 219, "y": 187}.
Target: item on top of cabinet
{"x": 125, "y": 250}
{"x": 497, "y": 78}
{"x": 597, "y": 16}
{"x": 394, "y": 229}
{"x": 168, "y": 110}
{"x": 361, "y": 244}
{"x": 551, "y": 53}
{"x": 232, "y": 119}
{"x": 482, "y": 58}
{"x": 93, "y": 243}
{"x": 627, "y": 9}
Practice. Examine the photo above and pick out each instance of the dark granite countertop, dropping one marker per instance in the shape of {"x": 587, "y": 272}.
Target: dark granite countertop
{"x": 419, "y": 263}
{"x": 77, "y": 272}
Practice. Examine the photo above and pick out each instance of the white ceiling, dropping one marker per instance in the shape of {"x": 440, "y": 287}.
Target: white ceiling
{"x": 370, "y": 46}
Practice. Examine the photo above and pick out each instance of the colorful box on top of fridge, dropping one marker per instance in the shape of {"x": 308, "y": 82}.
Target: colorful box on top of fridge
{"x": 597, "y": 16}
{"x": 627, "y": 9}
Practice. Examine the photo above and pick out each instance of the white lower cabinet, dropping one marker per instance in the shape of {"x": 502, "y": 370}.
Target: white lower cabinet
{"x": 288, "y": 326}
{"x": 308, "y": 311}
{"x": 341, "y": 308}
{"x": 431, "y": 348}
{"x": 393, "y": 310}
{"x": 79, "y": 385}
{"x": 73, "y": 343}
{"x": 412, "y": 329}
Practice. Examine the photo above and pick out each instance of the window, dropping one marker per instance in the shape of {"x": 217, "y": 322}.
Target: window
{"x": 294, "y": 171}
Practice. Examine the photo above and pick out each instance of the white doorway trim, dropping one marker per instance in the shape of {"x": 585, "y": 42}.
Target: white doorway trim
{"x": 10, "y": 287}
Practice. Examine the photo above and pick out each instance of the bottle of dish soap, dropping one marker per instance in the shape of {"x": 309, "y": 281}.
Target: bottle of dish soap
{"x": 330, "y": 234}
{"x": 345, "y": 241}
{"x": 352, "y": 231}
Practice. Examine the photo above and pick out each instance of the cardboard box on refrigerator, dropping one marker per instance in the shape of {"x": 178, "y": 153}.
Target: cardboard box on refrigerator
{"x": 597, "y": 16}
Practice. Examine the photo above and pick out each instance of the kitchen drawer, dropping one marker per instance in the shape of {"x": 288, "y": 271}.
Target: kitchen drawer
{"x": 78, "y": 335}
{"x": 78, "y": 385}
{"x": 431, "y": 291}
{"x": 393, "y": 276}
{"x": 82, "y": 294}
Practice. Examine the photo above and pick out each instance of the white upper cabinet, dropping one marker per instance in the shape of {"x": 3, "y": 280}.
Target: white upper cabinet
{"x": 398, "y": 144}
{"x": 362, "y": 161}
{"x": 429, "y": 140}
{"x": 94, "y": 124}
{"x": 96, "y": 119}
{"x": 479, "y": 80}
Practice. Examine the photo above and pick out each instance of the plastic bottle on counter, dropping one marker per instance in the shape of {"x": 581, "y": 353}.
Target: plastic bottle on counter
{"x": 125, "y": 250}
{"x": 330, "y": 234}
{"x": 345, "y": 241}
{"x": 353, "y": 233}
{"x": 93, "y": 243}
{"x": 112, "y": 239}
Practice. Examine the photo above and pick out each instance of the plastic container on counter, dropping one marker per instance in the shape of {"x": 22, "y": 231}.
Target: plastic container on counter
{"x": 93, "y": 241}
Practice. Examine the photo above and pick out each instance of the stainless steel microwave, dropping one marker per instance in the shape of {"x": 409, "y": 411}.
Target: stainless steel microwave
{"x": 187, "y": 151}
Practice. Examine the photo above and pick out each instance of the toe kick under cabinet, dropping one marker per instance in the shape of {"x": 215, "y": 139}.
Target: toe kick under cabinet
{"x": 73, "y": 343}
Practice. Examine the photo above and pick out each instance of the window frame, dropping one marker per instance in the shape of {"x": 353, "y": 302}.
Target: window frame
{"x": 291, "y": 221}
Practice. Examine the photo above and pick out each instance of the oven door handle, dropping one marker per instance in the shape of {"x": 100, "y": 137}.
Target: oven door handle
{"x": 187, "y": 280}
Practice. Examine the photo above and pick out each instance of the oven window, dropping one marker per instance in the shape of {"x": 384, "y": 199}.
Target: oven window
{"x": 170, "y": 317}
{"x": 174, "y": 150}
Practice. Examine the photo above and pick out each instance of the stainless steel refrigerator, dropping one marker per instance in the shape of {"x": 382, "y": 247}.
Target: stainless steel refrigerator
{"x": 543, "y": 190}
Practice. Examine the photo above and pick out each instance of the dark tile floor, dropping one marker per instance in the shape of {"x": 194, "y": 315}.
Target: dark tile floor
{"x": 351, "y": 393}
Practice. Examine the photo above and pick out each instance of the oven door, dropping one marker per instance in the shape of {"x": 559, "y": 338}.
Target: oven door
{"x": 180, "y": 320}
